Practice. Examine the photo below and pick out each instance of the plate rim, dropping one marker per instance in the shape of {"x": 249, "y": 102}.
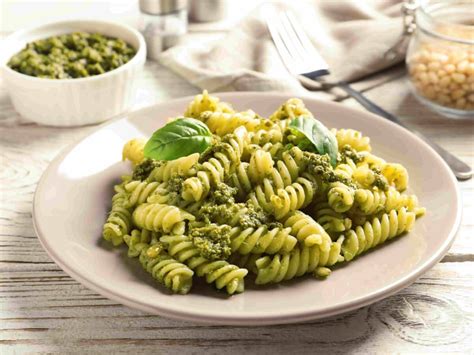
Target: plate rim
{"x": 292, "y": 317}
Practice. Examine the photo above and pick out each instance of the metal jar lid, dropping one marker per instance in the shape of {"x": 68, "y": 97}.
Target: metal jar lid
{"x": 161, "y": 7}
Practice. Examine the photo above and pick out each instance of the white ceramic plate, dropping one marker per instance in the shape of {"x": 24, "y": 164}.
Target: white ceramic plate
{"x": 73, "y": 197}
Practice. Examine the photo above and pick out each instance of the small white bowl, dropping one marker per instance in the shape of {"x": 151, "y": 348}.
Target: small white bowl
{"x": 73, "y": 102}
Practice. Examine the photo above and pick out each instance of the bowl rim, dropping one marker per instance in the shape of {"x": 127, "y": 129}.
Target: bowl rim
{"x": 140, "y": 54}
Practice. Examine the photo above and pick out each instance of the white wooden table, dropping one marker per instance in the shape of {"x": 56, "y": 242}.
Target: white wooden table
{"x": 44, "y": 310}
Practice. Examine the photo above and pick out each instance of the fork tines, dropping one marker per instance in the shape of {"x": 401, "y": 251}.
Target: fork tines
{"x": 295, "y": 48}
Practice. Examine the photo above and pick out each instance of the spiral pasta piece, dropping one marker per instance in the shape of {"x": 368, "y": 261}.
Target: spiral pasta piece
{"x": 373, "y": 201}
{"x": 133, "y": 150}
{"x": 205, "y": 102}
{"x": 261, "y": 240}
{"x": 372, "y": 161}
{"x": 397, "y": 175}
{"x": 241, "y": 180}
{"x": 119, "y": 221}
{"x": 346, "y": 170}
{"x": 222, "y": 163}
{"x": 293, "y": 197}
{"x": 262, "y": 194}
{"x": 246, "y": 261}
{"x": 364, "y": 177}
{"x": 290, "y": 109}
{"x": 222, "y": 123}
{"x": 158, "y": 217}
{"x": 184, "y": 166}
{"x": 263, "y": 136}
{"x": 138, "y": 240}
{"x": 275, "y": 149}
{"x": 330, "y": 220}
{"x": 300, "y": 261}
{"x": 139, "y": 191}
{"x": 307, "y": 230}
{"x": 161, "y": 195}
{"x": 353, "y": 138}
{"x": 340, "y": 197}
{"x": 219, "y": 272}
{"x": 261, "y": 164}
{"x": 288, "y": 168}
{"x": 283, "y": 174}
{"x": 174, "y": 275}
{"x": 376, "y": 232}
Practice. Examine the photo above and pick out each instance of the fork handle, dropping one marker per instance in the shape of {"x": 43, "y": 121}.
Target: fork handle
{"x": 461, "y": 170}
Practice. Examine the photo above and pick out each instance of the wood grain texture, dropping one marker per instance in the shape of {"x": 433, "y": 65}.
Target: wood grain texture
{"x": 44, "y": 310}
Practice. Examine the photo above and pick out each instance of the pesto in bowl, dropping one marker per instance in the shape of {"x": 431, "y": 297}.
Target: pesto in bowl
{"x": 73, "y": 55}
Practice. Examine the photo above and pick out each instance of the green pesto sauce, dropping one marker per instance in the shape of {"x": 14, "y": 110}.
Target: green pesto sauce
{"x": 320, "y": 166}
{"x": 225, "y": 213}
{"x": 380, "y": 181}
{"x": 212, "y": 241}
{"x": 348, "y": 152}
{"x": 73, "y": 55}
{"x": 256, "y": 217}
{"x": 222, "y": 194}
{"x": 143, "y": 170}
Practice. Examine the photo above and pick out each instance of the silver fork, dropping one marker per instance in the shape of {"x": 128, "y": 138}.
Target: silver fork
{"x": 303, "y": 60}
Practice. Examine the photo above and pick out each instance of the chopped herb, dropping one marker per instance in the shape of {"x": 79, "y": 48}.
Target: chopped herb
{"x": 320, "y": 166}
{"x": 212, "y": 241}
{"x": 143, "y": 170}
{"x": 348, "y": 152}
{"x": 223, "y": 194}
{"x": 380, "y": 181}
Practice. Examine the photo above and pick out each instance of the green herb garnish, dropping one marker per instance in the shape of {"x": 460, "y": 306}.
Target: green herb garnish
{"x": 312, "y": 135}
{"x": 179, "y": 138}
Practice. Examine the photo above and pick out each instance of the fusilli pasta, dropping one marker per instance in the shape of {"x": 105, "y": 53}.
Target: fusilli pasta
{"x": 300, "y": 261}
{"x": 133, "y": 150}
{"x": 255, "y": 196}
{"x": 174, "y": 275}
{"x": 205, "y": 102}
{"x": 374, "y": 233}
{"x": 261, "y": 240}
{"x": 353, "y": 138}
{"x": 158, "y": 217}
{"x": 119, "y": 222}
{"x": 219, "y": 272}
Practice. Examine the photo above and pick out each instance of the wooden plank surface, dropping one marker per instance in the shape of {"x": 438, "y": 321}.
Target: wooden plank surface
{"x": 51, "y": 312}
{"x": 44, "y": 310}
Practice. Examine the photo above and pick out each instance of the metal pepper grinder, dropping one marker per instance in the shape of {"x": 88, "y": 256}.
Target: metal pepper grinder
{"x": 162, "y": 23}
{"x": 208, "y": 10}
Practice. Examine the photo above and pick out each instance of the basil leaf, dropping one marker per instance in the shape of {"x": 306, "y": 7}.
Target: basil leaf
{"x": 179, "y": 138}
{"x": 315, "y": 135}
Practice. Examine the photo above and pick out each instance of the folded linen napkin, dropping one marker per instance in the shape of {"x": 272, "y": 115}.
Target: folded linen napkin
{"x": 351, "y": 35}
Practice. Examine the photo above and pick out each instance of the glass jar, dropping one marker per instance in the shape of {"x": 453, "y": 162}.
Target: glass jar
{"x": 440, "y": 56}
{"x": 163, "y": 23}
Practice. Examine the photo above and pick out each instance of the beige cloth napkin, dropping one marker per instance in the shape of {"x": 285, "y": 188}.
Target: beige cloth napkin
{"x": 351, "y": 35}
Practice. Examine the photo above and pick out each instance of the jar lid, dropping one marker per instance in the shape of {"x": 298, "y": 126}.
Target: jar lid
{"x": 160, "y": 7}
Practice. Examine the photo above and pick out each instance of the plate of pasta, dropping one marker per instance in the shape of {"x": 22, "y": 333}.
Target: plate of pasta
{"x": 247, "y": 209}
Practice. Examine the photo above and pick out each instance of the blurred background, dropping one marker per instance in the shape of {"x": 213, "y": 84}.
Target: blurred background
{"x": 18, "y": 14}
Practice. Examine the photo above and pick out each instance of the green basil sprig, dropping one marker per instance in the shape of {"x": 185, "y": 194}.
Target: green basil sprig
{"x": 179, "y": 138}
{"x": 314, "y": 136}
